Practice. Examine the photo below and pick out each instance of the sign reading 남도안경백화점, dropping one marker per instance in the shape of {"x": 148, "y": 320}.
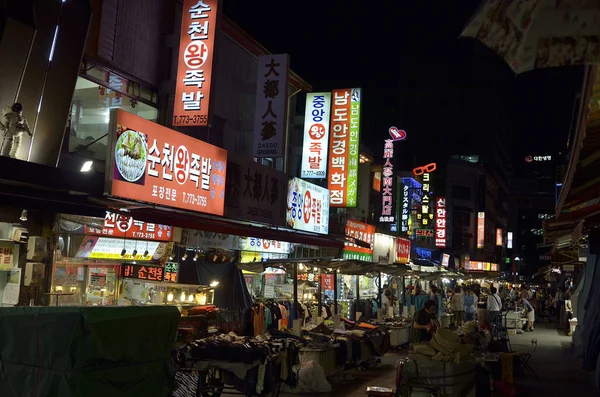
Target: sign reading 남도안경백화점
{"x": 195, "y": 63}
{"x": 344, "y": 147}
{"x": 316, "y": 135}
{"x": 271, "y": 105}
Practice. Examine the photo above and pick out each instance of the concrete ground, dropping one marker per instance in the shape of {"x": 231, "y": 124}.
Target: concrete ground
{"x": 559, "y": 370}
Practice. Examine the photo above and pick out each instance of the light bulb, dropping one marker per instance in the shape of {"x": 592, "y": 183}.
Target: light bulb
{"x": 170, "y": 297}
{"x": 182, "y": 297}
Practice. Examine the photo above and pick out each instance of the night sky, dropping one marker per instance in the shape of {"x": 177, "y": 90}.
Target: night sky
{"x": 343, "y": 44}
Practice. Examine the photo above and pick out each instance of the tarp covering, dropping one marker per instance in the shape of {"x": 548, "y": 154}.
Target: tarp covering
{"x": 87, "y": 351}
{"x": 589, "y": 315}
{"x": 231, "y": 293}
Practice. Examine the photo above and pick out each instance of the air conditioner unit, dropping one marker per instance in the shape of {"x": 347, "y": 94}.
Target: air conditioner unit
{"x": 36, "y": 248}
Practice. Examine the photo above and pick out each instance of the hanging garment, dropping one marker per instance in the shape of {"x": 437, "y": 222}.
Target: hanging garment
{"x": 268, "y": 318}
{"x": 259, "y": 319}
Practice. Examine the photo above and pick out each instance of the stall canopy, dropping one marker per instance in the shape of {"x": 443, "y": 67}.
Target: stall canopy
{"x": 343, "y": 266}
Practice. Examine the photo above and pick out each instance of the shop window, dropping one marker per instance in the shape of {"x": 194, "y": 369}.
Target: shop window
{"x": 90, "y": 112}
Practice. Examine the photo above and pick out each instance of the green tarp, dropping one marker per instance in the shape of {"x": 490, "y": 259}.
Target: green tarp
{"x": 87, "y": 351}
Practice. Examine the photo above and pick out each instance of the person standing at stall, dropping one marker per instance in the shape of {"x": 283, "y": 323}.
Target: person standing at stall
{"x": 469, "y": 305}
{"x": 425, "y": 322}
{"x": 494, "y": 306}
{"x": 458, "y": 306}
{"x": 530, "y": 314}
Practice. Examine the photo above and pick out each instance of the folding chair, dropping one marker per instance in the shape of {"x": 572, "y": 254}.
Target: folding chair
{"x": 525, "y": 357}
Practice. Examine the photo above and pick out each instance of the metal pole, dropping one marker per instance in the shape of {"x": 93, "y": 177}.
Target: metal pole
{"x": 335, "y": 292}
{"x": 319, "y": 297}
{"x": 295, "y": 291}
{"x": 379, "y": 293}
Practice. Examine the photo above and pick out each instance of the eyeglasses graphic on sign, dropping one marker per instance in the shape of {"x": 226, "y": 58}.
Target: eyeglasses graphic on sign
{"x": 426, "y": 168}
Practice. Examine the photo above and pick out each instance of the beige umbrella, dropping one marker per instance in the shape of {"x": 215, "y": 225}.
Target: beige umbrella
{"x": 533, "y": 34}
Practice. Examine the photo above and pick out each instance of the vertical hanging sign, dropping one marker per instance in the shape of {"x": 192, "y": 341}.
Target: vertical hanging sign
{"x": 271, "y": 106}
{"x": 440, "y": 222}
{"x": 499, "y": 237}
{"x": 344, "y": 147}
{"x": 388, "y": 204}
{"x": 194, "y": 68}
{"x": 480, "y": 230}
{"x": 316, "y": 135}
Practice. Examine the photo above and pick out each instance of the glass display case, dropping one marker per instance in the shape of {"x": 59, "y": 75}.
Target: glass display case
{"x": 79, "y": 284}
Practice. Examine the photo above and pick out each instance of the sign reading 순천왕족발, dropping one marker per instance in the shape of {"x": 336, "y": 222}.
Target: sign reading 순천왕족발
{"x": 154, "y": 164}
{"x": 195, "y": 62}
{"x": 316, "y": 135}
{"x": 271, "y": 105}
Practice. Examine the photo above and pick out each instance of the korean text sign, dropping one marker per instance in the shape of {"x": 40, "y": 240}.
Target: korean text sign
{"x": 388, "y": 212}
{"x": 344, "y": 147}
{"x": 402, "y": 250}
{"x": 153, "y": 164}
{"x": 440, "y": 222}
{"x": 362, "y": 232}
{"x": 480, "y": 230}
{"x": 316, "y": 135}
{"x": 195, "y": 62}
{"x": 271, "y": 106}
{"x": 255, "y": 192}
{"x": 119, "y": 225}
{"x": 307, "y": 207}
{"x": 426, "y": 213}
{"x": 405, "y": 207}
{"x": 143, "y": 272}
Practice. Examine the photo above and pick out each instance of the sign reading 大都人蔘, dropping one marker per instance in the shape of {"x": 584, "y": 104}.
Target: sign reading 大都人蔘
{"x": 255, "y": 192}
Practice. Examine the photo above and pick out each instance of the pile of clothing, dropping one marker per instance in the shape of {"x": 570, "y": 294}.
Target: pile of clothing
{"x": 202, "y": 310}
{"x": 444, "y": 346}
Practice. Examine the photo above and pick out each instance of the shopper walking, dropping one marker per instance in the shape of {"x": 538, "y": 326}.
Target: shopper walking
{"x": 494, "y": 306}
{"x": 469, "y": 305}
{"x": 458, "y": 306}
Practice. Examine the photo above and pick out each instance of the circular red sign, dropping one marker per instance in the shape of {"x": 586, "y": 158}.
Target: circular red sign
{"x": 307, "y": 201}
{"x": 316, "y": 131}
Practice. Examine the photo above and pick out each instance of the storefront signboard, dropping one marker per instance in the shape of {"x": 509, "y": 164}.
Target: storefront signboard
{"x": 307, "y": 207}
{"x": 327, "y": 281}
{"x": 6, "y": 256}
{"x": 171, "y": 272}
{"x": 480, "y": 230}
{"x": 119, "y": 225}
{"x": 316, "y": 135}
{"x": 95, "y": 247}
{"x": 440, "y": 222}
{"x": 195, "y": 63}
{"x": 252, "y": 256}
{"x": 402, "y": 250}
{"x": 263, "y": 245}
{"x": 362, "y": 232}
{"x": 344, "y": 142}
{"x": 270, "y": 114}
{"x": 255, "y": 192}
{"x": 499, "y": 237}
{"x": 509, "y": 240}
{"x": 384, "y": 250}
{"x": 445, "y": 260}
{"x": 143, "y": 272}
{"x": 388, "y": 208}
{"x": 425, "y": 215}
{"x": 154, "y": 164}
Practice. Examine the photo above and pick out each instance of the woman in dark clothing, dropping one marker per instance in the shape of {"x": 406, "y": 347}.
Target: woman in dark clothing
{"x": 424, "y": 321}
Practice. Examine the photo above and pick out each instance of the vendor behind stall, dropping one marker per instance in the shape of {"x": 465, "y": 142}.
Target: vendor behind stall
{"x": 425, "y": 322}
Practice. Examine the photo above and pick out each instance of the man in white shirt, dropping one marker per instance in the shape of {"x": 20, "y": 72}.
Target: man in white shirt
{"x": 494, "y": 306}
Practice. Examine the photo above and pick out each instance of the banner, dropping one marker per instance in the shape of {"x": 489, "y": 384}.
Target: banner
{"x": 316, "y": 135}
{"x": 402, "y": 250}
{"x": 271, "y": 106}
{"x": 94, "y": 247}
{"x": 119, "y": 225}
{"x": 440, "y": 222}
{"x": 344, "y": 147}
{"x": 307, "y": 207}
{"x": 262, "y": 245}
{"x": 255, "y": 192}
{"x": 384, "y": 249}
{"x": 153, "y": 164}
{"x": 362, "y": 232}
{"x": 480, "y": 230}
{"x": 195, "y": 63}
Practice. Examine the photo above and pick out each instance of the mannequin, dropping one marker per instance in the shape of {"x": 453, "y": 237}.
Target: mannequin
{"x": 12, "y": 126}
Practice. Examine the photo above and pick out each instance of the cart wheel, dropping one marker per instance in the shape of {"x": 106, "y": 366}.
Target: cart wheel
{"x": 210, "y": 383}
